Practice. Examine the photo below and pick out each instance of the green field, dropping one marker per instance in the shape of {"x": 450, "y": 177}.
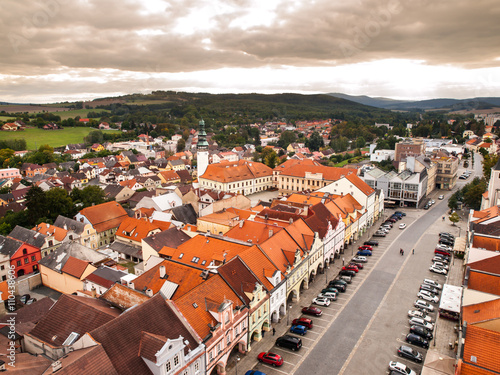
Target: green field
{"x": 36, "y": 137}
{"x": 77, "y": 112}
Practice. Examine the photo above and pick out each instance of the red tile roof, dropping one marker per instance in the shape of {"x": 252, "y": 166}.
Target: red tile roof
{"x": 260, "y": 265}
{"x": 137, "y": 229}
{"x": 252, "y": 231}
{"x": 75, "y": 267}
{"x": 483, "y": 345}
{"x": 232, "y": 172}
{"x": 481, "y": 312}
{"x": 123, "y": 297}
{"x": 105, "y": 216}
{"x": 299, "y": 168}
{"x": 484, "y": 282}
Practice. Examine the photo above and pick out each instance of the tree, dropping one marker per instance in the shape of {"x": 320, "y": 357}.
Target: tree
{"x": 58, "y": 202}
{"x": 360, "y": 142}
{"x": 36, "y": 203}
{"x": 488, "y": 163}
{"x": 286, "y": 138}
{"x": 181, "y": 145}
{"x": 315, "y": 142}
{"x": 95, "y": 136}
{"x": 454, "y": 218}
{"x": 88, "y": 196}
{"x": 272, "y": 159}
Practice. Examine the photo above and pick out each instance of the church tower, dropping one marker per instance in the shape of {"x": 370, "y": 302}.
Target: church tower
{"x": 202, "y": 150}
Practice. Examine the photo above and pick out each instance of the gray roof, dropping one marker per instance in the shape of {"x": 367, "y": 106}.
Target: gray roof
{"x": 123, "y": 248}
{"x": 106, "y": 273}
{"x": 171, "y": 237}
{"x": 69, "y": 224}
{"x": 29, "y": 236}
{"x": 111, "y": 191}
{"x": 8, "y": 246}
{"x": 56, "y": 260}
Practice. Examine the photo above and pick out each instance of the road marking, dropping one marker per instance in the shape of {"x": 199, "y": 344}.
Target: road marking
{"x": 288, "y": 351}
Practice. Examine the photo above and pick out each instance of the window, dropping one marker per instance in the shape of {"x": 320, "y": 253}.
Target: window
{"x": 33, "y": 258}
{"x": 195, "y": 260}
{"x": 2, "y": 268}
{"x": 176, "y": 360}
{"x": 228, "y": 339}
{"x": 25, "y": 251}
{"x": 181, "y": 255}
{"x": 4, "y": 278}
{"x": 26, "y": 260}
{"x": 197, "y": 366}
{"x": 168, "y": 366}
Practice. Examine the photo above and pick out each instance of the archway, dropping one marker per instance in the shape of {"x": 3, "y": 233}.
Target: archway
{"x": 275, "y": 316}
{"x": 20, "y": 273}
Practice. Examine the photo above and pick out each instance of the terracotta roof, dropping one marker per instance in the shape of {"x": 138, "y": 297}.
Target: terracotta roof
{"x": 467, "y": 369}
{"x": 105, "y": 216}
{"x": 184, "y": 276}
{"x": 72, "y": 314}
{"x": 27, "y": 363}
{"x": 208, "y": 296}
{"x": 200, "y": 251}
{"x": 360, "y": 184}
{"x": 123, "y": 297}
{"x": 30, "y": 313}
{"x": 260, "y": 265}
{"x": 321, "y": 219}
{"x": 150, "y": 345}
{"x": 481, "y": 312}
{"x": 169, "y": 175}
{"x": 252, "y": 231}
{"x": 484, "y": 282}
{"x": 91, "y": 360}
{"x": 299, "y": 168}
{"x": 491, "y": 265}
{"x": 121, "y": 337}
{"x": 278, "y": 247}
{"x": 236, "y": 171}
{"x": 137, "y": 229}
{"x": 483, "y": 345}
{"x": 269, "y": 213}
{"x": 75, "y": 267}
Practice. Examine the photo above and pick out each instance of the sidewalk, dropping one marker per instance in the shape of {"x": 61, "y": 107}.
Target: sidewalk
{"x": 249, "y": 360}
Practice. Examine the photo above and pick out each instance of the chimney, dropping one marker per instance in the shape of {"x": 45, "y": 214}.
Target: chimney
{"x": 94, "y": 294}
{"x": 290, "y": 221}
{"x": 162, "y": 272}
{"x": 131, "y": 285}
{"x": 241, "y": 223}
{"x": 57, "y": 365}
{"x": 149, "y": 293}
{"x": 270, "y": 233}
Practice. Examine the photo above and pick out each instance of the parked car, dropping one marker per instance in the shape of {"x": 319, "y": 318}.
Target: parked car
{"x": 422, "y": 305}
{"x": 311, "y": 310}
{"x": 440, "y": 265}
{"x": 384, "y": 229}
{"x": 350, "y": 267}
{"x": 346, "y": 278}
{"x": 426, "y": 207}
{"x": 360, "y": 259}
{"x": 438, "y": 270}
{"x": 444, "y": 257}
{"x": 299, "y": 330}
{"x": 303, "y": 321}
{"x": 446, "y": 234}
{"x": 329, "y": 295}
{"x": 364, "y": 253}
{"x": 270, "y": 358}
{"x": 359, "y": 265}
{"x": 321, "y": 301}
{"x": 410, "y": 353}
{"x": 365, "y": 247}
{"x": 433, "y": 283}
{"x": 401, "y": 368}
{"x": 422, "y": 332}
{"x": 427, "y": 296}
{"x": 24, "y": 298}
{"x": 429, "y": 288}
{"x": 330, "y": 289}
{"x": 440, "y": 259}
{"x": 402, "y": 226}
{"x": 30, "y": 301}
{"x": 441, "y": 197}
{"x": 445, "y": 241}
{"x": 371, "y": 243}
{"x": 400, "y": 213}
{"x": 340, "y": 287}
{"x": 443, "y": 252}
{"x": 388, "y": 223}
{"x": 392, "y": 219}
{"x": 345, "y": 272}
{"x": 254, "y": 372}
{"x": 290, "y": 342}
{"x": 379, "y": 234}
{"x": 414, "y": 321}
{"x": 419, "y": 314}
{"x": 444, "y": 247}
{"x": 411, "y": 338}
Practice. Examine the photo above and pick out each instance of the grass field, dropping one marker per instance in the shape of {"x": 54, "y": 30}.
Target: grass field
{"x": 36, "y": 137}
{"x": 77, "y": 112}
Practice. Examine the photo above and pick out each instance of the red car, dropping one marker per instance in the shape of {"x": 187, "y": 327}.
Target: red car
{"x": 270, "y": 358}
{"x": 350, "y": 267}
{"x": 359, "y": 265}
{"x": 365, "y": 247}
{"x": 311, "y": 310}
{"x": 303, "y": 321}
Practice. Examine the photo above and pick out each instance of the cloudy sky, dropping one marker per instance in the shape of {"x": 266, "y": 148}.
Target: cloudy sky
{"x": 57, "y": 50}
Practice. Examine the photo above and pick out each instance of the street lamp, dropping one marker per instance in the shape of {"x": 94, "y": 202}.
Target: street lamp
{"x": 288, "y": 315}
{"x": 236, "y": 360}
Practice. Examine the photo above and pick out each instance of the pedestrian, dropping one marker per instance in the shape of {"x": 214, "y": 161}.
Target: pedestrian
{"x": 274, "y": 331}
{"x": 413, "y": 251}
{"x": 402, "y": 252}
{"x": 263, "y": 333}
{"x": 343, "y": 261}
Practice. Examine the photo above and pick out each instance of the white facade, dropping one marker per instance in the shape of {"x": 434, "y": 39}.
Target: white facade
{"x": 380, "y": 155}
{"x": 202, "y": 161}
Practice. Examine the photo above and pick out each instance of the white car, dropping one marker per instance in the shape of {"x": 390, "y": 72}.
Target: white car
{"x": 444, "y": 247}
{"x": 426, "y": 296}
{"x": 441, "y": 197}
{"x": 401, "y": 368}
{"x": 440, "y": 265}
{"x": 439, "y": 259}
{"x": 402, "y": 226}
{"x": 437, "y": 269}
{"x": 360, "y": 259}
{"x": 414, "y": 321}
{"x": 433, "y": 283}
{"x": 321, "y": 301}
{"x": 328, "y": 295}
{"x": 421, "y": 304}
{"x": 419, "y": 314}
{"x": 382, "y": 229}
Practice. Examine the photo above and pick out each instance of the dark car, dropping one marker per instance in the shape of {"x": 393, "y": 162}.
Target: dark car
{"x": 365, "y": 252}
{"x": 303, "y": 321}
{"x": 330, "y": 289}
{"x": 347, "y": 273}
{"x": 30, "y": 301}
{"x": 298, "y": 329}
{"x": 426, "y": 207}
{"x": 387, "y": 223}
{"x": 447, "y": 242}
{"x": 422, "y": 332}
{"x": 311, "y": 310}
{"x": 446, "y": 234}
{"x": 411, "y": 338}
{"x": 340, "y": 287}
{"x": 270, "y": 358}
{"x": 290, "y": 342}
{"x": 254, "y": 372}
{"x": 371, "y": 243}
{"x": 350, "y": 267}
{"x": 392, "y": 219}
{"x": 400, "y": 213}
{"x": 410, "y": 353}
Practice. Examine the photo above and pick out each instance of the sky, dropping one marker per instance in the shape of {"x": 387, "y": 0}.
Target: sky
{"x": 68, "y": 50}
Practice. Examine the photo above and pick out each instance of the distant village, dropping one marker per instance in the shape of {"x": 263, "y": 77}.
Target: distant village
{"x": 206, "y": 238}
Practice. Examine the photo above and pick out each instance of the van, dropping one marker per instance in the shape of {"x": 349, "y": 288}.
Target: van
{"x": 290, "y": 342}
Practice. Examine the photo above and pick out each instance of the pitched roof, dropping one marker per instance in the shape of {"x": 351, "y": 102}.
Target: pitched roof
{"x": 172, "y": 237}
{"x": 75, "y": 267}
{"x": 169, "y": 175}
{"x": 121, "y": 337}
{"x": 106, "y": 276}
{"x": 123, "y": 297}
{"x": 252, "y": 231}
{"x": 484, "y": 282}
{"x": 91, "y": 360}
{"x": 236, "y": 171}
{"x": 9, "y": 246}
{"x": 491, "y": 265}
{"x": 51, "y": 230}
{"x": 31, "y": 313}
{"x": 483, "y": 344}
{"x": 72, "y": 314}
{"x": 261, "y": 266}
{"x": 185, "y": 214}
{"x": 27, "y": 235}
{"x": 105, "y": 216}
{"x": 481, "y": 312}
{"x": 137, "y": 229}
{"x": 58, "y": 259}
{"x": 239, "y": 277}
{"x": 299, "y": 168}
